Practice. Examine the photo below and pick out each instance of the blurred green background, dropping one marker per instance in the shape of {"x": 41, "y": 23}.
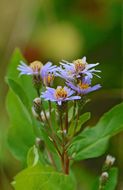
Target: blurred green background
{"x": 65, "y": 29}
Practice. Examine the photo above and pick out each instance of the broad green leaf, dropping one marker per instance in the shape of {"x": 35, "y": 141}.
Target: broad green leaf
{"x": 24, "y": 81}
{"x": 18, "y": 91}
{"x": 20, "y": 135}
{"x": 70, "y": 112}
{"x": 112, "y": 182}
{"x": 14, "y": 62}
{"x": 83, "y": 118}
{"x": 43, "y": 178}
{"x": 92, "y": 142}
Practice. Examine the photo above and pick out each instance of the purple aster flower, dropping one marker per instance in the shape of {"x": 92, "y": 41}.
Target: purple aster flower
{"x": 83, "y": 86}
{"x": 33, "y": 69}
{"x": 76, "y": 69}
{"x": 59, "y": 95}
{"x": 47, "y": 72}
{"x": 36, "y": 68}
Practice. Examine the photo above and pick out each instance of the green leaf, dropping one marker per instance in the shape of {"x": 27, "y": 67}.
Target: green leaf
{"x": 12, "y": 71}
{"x": 43, "y": 178}
{"x": 24, "y": 81}
{"x": 112, "y": 182}
{"x": 18, "y": 91}
{"x": 19, "y": 101}
{"x": 20, "y": 135}
{"x": 82, "y": 119}
{"x": 92, "y": 142}
{"x": 35, "y": 156}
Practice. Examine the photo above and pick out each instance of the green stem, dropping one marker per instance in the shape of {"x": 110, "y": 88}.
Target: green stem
{"x": 50, "y": 107}
{"x": 61, "y": 124}
{"x": 66, "y": 119}
{"x": 52, "y": 137}
{"x": 74, "y": 108}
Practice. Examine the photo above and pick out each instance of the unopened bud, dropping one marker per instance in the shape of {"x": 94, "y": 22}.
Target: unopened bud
{"x": 110, "y": 160}
{"x": 34, "y": 113}
{"x": 108, "y": 163}
{"x": 43, "y": 116}
{"x": 103, "y": 179}
{"x": 37, "y": 105}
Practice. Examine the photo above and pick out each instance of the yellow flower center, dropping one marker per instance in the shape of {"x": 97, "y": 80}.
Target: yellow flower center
{"x": 79, "y": 65}
{"x": 60, "y": 93}
{"x": 83, "y": 86}
{"x": 36, "y": 66}
{"x": 49, "y": 79}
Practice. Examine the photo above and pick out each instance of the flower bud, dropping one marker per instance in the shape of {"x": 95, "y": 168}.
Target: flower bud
{"x": 37, "y": 105}
{"x": 34, "y": 113}
{"x": 109, "y": 160}
{"x": 103, "y": 179}
{"x": 43, "y": 116}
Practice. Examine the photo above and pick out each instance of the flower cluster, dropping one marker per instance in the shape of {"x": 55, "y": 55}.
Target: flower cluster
{"x": 77, "y": 75}
{"x": 59, "y": 127}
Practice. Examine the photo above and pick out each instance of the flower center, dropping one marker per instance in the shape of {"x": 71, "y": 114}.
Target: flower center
{"x": 60, "y": 93}
{"x": 83, "y": 86}
{"x": 36, "y": 66}
{"x": 79, "y": 65}
{"x": 49, "y": 79}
